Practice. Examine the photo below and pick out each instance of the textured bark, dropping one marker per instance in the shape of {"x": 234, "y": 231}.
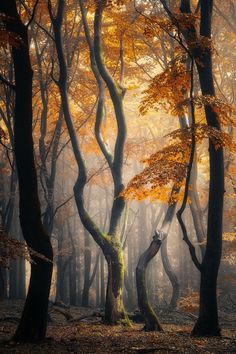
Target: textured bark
{"x": 114, "y": 308}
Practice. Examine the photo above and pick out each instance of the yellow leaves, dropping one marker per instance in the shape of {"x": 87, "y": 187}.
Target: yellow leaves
{"x": 167, "y": 89}
{"x": 168, "y": 166}
{"x": 203, "y": 131}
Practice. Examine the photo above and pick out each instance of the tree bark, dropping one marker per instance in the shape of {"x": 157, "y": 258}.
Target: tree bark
{"x": 207, "y": 323}
{"x": 110, "y": 244}
{"x": 171, "y": 275}
{"x": 33, "y": 323}
{"x": 149, "y": 315}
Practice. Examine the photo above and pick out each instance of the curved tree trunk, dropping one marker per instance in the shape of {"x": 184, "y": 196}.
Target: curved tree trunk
{"x": 110, "y": 244}
{"x": 171, "y": 275}
{"x": 150, "y": 317}
{"x": 207, "y": 323}
{"x": 33, "y": 322}
{"x": 151, "y": 321}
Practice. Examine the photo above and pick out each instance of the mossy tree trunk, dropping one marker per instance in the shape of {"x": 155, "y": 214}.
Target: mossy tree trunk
{"x": 109, "y": 243}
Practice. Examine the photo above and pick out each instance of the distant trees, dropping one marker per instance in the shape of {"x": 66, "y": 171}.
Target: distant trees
{"x": 199, "y": 48}
{"x": 96, "y": 63}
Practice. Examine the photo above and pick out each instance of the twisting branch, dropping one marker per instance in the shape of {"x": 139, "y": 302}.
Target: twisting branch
{"x": 101, "y": 93}
{"x": 36, "y": 22}
{"x": 33, "y": 13}
{"x": 62, "y": 204}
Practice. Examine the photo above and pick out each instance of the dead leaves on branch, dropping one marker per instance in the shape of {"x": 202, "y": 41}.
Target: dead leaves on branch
{"x": 12, "y": 249}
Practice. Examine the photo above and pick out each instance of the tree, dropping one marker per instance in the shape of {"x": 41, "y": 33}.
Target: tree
{"x": 33, "y": 323}
{"x": 199, "y": 48}
{"x": 207, "y": 323}
{"x": 109, "y": 243}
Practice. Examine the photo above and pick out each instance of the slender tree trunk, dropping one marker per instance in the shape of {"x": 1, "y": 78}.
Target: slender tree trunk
{"x": 87, "y": 268}
{"x": 110, "y": 244}
{"x": 171, "y": 275}
{"x": 102, "y": 280}
{"x": 207, "y": 323}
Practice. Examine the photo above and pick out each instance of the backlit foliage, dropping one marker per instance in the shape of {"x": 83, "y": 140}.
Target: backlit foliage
{"x": 168, "y": 88}
{"x": 168, "y": 166}
{"x": 164, "y": 168}
{"x": 226, "y": 113}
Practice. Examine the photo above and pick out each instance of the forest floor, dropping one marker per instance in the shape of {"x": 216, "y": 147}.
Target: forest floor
{"x": 89, "y": 335}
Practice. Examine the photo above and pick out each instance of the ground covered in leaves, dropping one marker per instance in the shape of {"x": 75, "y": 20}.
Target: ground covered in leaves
{"x": 89, "y": 335}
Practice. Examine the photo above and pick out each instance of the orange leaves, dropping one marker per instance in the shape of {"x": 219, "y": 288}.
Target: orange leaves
{"x": 224, "y": 111}
{"x": 165, "y": 167}
{"x": 167, "y": 88}
{"x": 203, "y": 131}
{"x": 189, "y": 302}
{"x": 168, "y": 166}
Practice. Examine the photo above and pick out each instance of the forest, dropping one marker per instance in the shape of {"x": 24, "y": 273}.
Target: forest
{"x": 117, "y": 176}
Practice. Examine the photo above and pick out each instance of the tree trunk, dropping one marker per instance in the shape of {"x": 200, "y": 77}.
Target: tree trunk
{"x": 207, "y": 323}
{"x": 151, "y": 320}
{"x": 102, "y": 280}
{"x": 171, "y": 275}
{"x": 87, "y": 268}
{"x": 114, "y": 308}
{"x": 33, "y": 323}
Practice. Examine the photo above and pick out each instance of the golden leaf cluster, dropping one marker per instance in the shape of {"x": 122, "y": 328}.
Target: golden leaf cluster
{"x": 164, "y": 168}
{"x": 225, "y": 112}
{"x": 168, "y": 166}
{"x": 167, "y": 89}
